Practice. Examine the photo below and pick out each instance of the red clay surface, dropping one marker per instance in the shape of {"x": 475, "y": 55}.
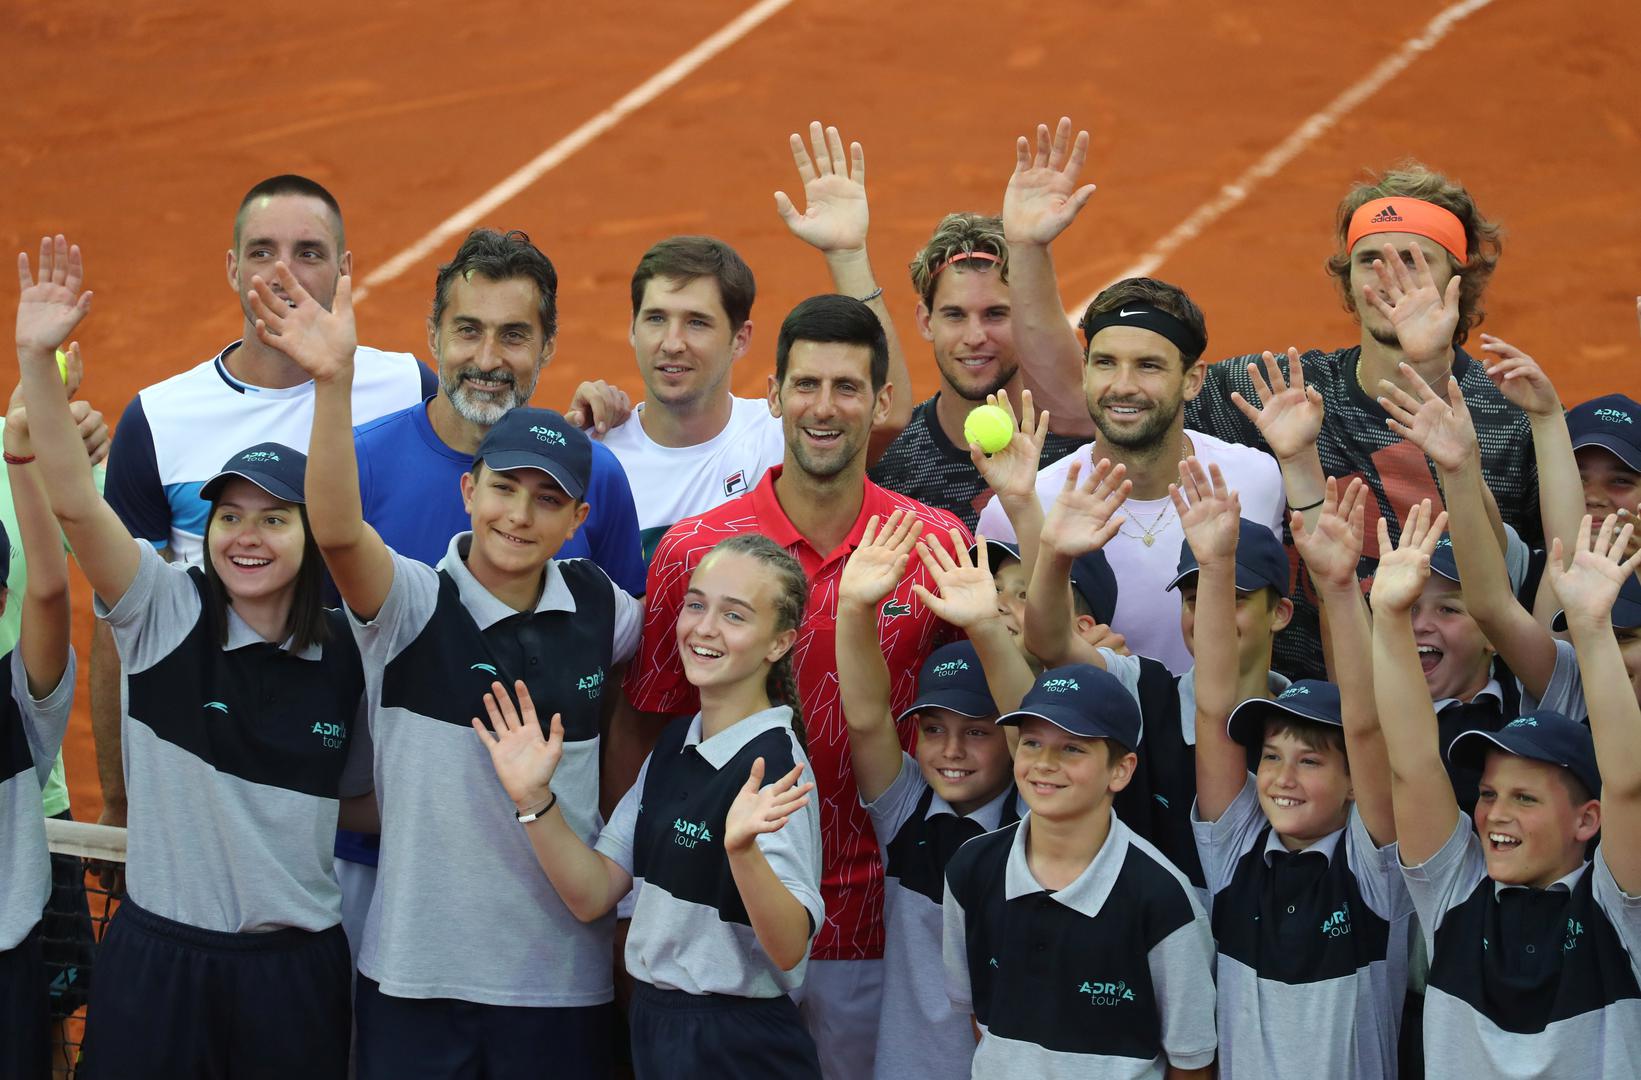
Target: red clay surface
{"x": 136, "y": 129}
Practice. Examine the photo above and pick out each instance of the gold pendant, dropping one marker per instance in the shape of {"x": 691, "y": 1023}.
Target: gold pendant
{"x": 1149, "y": 539}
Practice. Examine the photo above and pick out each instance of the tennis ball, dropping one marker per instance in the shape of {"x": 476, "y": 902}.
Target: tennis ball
{"x": 990, "y": 426}
{"x": 62, "y": 365}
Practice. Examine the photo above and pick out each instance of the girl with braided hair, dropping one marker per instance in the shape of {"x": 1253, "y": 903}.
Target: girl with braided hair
{"x": 727, "y": 869}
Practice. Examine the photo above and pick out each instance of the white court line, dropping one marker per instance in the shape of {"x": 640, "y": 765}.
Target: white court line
{"x": 1289, "y": 148}
{"x": 552, "y": 157}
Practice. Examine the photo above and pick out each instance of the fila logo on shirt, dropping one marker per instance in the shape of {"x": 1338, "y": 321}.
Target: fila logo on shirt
{"x": 332, "y": 735}
{"x": 593, "y": 684}
{"x": 735, "y": 483}
{"x": 687, "y": 834}
{"x": 548, "y": 435}
{"x": 1337, "y": 924}
{"x": 1107, "y": 993}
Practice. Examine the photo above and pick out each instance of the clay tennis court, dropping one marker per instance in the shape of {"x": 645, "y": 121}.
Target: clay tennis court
{"x": 136, "y": 128}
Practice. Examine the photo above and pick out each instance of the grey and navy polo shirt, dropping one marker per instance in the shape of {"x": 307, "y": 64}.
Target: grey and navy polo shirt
{"x": 1312, "y": 947}
{"x": 690, "y": 929}
{"x": 1564, "y": 693}
{"x": 1111, "y": 976}
{"x": 1527, "y": 982}
{"x": 31, "y": 732}
{"x": 920, "y": 1034}
{"x": 462, "y": 909}
{"x": 235, "y": 757}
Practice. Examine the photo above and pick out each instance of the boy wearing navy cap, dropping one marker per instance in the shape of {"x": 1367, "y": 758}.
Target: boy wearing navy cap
{"x": 1535, "y": 953}
{"x": 1606, "y": 437}
{"x": 1079, "y": 949}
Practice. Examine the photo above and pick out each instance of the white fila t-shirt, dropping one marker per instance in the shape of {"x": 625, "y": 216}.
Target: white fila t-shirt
{"x": 670, "y": 483}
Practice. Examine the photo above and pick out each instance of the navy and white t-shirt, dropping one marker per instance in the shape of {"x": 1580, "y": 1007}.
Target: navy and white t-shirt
{"x": 31, "y": 731}
{"x": 462, "y": 908}
{"x": 1111, "y": 976}
{"x": 690, "y": 929}
{"x": 235, "y": 758}
{"x": 920, "y": 1034}
{"x": 1312, "y": 947}
{"x": 1527, "y": 982}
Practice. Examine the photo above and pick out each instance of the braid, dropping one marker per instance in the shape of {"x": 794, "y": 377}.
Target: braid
{"x": 782, "y": 681}
{"x": 782, "y": 686}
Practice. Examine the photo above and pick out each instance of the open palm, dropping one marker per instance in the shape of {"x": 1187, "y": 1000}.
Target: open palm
{"x": 758, "y": 809}
{"x": 1289, "y": 414}
{"x": 1402, "y": 572}
{"x": 524, "y": 761}
{"x": 1422, "y": 315}
{"x": 52, "y": 305}
{"x": 1589, "y": 587}
{"x": 836, "y": 215}
{"x": 320, "y": 342}
{"x": 878, "y": 564}
{"x": 1209, "y": 512}
{"x": 1084, "y": 517}
{"x": 1332, "y": 550}
{"x": 967, "y": 593}
{"x": 1042, "y": 197}
{"x": 1441, "y": 428}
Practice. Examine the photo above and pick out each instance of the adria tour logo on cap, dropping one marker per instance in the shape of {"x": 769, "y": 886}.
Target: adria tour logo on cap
{"x": 259, "y": 456}
{"x": 1385, "y": 216}
{"x": 1061, "y": 686}
{"x": 548, "y": 435}
{"x": 949, "y": 668}
{"x": 1522, "y": 721}
{"x": 1293, "y": 692}
{"x": 1107, "y": 993}
{"x": 1613, "y": 416}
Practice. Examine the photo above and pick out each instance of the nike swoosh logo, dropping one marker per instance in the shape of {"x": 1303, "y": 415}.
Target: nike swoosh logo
{"x": 1126, "y": 314}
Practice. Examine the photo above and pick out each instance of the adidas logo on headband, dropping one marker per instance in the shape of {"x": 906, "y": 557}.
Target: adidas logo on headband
{"x": 1388, "y": 214}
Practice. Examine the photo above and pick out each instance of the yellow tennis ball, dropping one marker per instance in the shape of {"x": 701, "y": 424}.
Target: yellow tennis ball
{"x": 62, "y": 365}
{"x": 990, "y": 426}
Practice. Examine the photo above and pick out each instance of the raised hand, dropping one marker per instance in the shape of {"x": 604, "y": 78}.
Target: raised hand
{"x": 1289, "y": 415}
{"x": 878, "y": 564}
{"x": 1333, "y": 549}
{"x": 1422, "y": 315}
{"x": 320, "y": 342}
{"x": 1209, "y": 511}
{"x": 51, "y": 306}
{"x": 834, "y": 187}
{"x": 758, "y": 810}
{"x": 1442, "y": 429}
{"x": 598, "y": 405}
{"x": 1519, "y": 378}
{"x": 1402, "y": 572}
{"x": 968, "y": 593}
{"x": 1012, "y": 472}
{"x": 1589, "y": 587}
{"x": 1084, "y": 518}
{"x": 524, "y": 761}
{"x": 1043, "y": 197}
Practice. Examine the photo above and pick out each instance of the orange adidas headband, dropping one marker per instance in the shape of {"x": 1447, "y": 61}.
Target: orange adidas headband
{"x": 1406, "y": 215}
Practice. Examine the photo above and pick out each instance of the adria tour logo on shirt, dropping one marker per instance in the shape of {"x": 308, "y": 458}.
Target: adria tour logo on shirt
{"x": 1337, "y": 924}
{"x": 1575, "y": 930}
{"x": 1107, "y": 993}
{"x": 687, "y": 834}
{"x": 1613, "y": 416}
{"x": 548, "y": 435}
{"x": 592, "y": 685}
{"x": 333, "y": 736}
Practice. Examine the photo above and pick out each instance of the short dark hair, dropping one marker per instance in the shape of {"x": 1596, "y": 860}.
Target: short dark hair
{"x": 834, "y": 318}
{"x": 689, "y": 257}
{"x": 501, "y": 256}
{"x": 1162, "y": 295}
{"x": 291, "y": 184}
{"x": 305, "y": 624}
{"x": 1312, "y": 733}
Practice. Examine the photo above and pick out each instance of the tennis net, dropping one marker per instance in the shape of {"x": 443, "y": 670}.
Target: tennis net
{"x": 87, "y": 881}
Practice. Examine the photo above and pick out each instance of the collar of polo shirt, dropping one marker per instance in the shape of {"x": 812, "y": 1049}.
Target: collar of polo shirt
{"x": 721, "y": 749}
{"x": 1088, "y": 892}
{"x": 1492, "y": 688}
{"x": 1324, "y": 847}
{"x": 482, "y": 604}
{"x": 1565, "y": 884}
{"x": 988, "y": 817}
{"x": 240, "y": 635}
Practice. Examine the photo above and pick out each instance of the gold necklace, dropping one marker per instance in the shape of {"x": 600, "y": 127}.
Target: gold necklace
{"x": 1148, "y": 535}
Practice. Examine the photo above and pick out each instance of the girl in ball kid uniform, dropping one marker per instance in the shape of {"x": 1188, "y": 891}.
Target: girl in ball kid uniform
{"x": 227, "y": 958}
{"x": 726, "y": 869}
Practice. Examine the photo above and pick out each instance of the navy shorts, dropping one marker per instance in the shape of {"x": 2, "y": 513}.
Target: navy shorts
{"x": 25, "y": 1010}
{"x": 727, "y": 1038}
{"x": 173, "y": 1000}
{"x": 445, "y": 1039}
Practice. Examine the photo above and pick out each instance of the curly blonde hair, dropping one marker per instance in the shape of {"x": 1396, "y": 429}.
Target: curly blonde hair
{"x": 958, "y": 234}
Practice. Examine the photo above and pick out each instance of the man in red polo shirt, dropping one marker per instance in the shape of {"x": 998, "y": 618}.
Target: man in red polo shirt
{"x": 829, "y": 387}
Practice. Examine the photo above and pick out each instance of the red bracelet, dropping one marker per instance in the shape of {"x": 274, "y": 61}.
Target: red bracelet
{"x": 13, "y": 459}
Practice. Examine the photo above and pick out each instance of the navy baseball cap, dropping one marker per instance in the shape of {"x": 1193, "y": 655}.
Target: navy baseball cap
{"x": 1096, "y": 583}
{"x": 1541, "y": 736}
{"x": 1442, "y": 559}
{"x": 1612, "y": 421}
{"x": 952, "y": 679}
{"x": 273, "y": 467}
{"x": 528, "y": 438}
{"x": 1261, "y": 560}
{"x": 996, "y": 551}
{"x": 1309, "y": 699}
{"x": 1084, "y": 700}
{"x": 1626, "y": 609}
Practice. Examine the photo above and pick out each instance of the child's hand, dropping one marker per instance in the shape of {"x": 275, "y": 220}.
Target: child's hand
{"x": 524, "y": 761}
{"x": 1589, "y": 587}
{"x": 1519, "y": 378}
{"x": 1084, "y": 518}
{"x": 1333, "y": 549}
{"x": 757, "y": 811}
{"x": 1212, "y": 518}
{"x": 1442, "y": 429}
{"x": 320, "y": 342}
{"x": 1289, "y": 415}
{"x": 878, "y": 564}
{"x": 51, "y": 307}
{"x": 1012, "y": 472}
{"x": 1402, "y": 573}
{"x": 968, "y": 593}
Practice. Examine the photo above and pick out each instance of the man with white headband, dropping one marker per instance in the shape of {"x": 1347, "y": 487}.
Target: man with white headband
{"x": 1413, "y": 260}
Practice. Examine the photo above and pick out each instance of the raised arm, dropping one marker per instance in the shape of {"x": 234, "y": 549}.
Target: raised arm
{"x": 869, "y": 578}
{"x": 321, "y": 343}
{"x": 1421, "y": 793}
{"x": 1083, "y": 519}
{"x": 835, "y": 222}
{"x": 47, "y": 312}
{"x": 779, "y": 920}
{"x": 1332, "y": 549}
{"x": 1211, "y": 515}
{"x": 1289, "y": 418}
{"x": 45, "y": 601}
{"x": 1011, "y": 473}
{"x": 967, "y": 599}
{"x": 1042, "y": 199}
{"x": 1587, "y": 590}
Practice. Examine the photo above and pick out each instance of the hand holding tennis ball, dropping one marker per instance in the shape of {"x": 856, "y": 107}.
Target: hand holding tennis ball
{"x": 990, "y": 427}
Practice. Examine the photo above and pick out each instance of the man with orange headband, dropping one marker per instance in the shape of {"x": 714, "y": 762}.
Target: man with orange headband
{"x": 1414, "y": 257}
{"x": 990, "y": 308}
